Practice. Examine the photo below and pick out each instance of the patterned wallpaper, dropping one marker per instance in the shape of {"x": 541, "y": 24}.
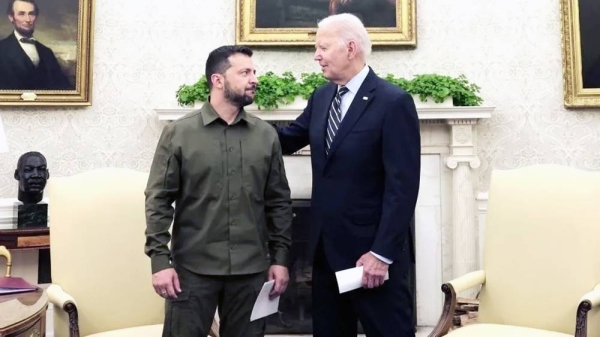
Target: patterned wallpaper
{"x": 144, "y": 51}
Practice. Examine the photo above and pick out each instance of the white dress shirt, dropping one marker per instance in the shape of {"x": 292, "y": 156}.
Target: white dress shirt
{"x": 353, "y": 85}
{"x": 29, "y": 49}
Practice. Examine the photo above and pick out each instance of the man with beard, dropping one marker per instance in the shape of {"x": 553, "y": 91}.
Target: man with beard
{"x": 25, "y": 63}
{"x": 224, "y": 170}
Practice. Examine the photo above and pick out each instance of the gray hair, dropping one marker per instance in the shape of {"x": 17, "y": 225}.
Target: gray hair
{"x": 350, "y": 28}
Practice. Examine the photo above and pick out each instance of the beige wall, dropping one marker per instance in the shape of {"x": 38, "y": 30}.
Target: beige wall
{"x": 144, "y": 52}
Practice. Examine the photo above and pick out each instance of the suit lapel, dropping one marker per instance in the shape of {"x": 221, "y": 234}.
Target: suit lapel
{"x": 17, "y": 53}
{"x": 361, "y": 101}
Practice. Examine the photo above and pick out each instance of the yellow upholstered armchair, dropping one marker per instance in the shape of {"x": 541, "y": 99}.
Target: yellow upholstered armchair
{"x": 101, "y": 278}
{"x": 541, "y": 257}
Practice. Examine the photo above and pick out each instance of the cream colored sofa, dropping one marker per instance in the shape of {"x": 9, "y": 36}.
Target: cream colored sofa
{"x": 101, "y": 278}
{"x": 541, "y": 257}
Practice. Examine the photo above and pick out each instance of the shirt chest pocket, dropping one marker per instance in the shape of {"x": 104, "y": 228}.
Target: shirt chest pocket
{"x": 204, "y": 166}
{"x": 255, "y": 169}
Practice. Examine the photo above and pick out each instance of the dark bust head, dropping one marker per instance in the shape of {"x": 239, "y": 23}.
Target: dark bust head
{"x": 32, "y": 173}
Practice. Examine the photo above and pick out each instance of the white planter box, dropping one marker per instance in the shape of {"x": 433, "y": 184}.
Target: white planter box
{"x": 431, "y": 103}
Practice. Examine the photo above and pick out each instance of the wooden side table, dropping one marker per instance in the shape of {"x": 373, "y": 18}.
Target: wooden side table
{"x": 24, "y": 314}
{"x": 21, "y": 239}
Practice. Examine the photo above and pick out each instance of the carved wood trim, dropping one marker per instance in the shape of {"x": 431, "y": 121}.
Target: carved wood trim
{"x": 445, "y": 321}
{"x": 27, "y": 323}
{"x": 71, "y": 309}
{"x": 581, "y": 320}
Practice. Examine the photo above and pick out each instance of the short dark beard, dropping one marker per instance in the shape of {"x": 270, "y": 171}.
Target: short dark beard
{"x": 24, "y": 33}
{"x": 237, "y": 99}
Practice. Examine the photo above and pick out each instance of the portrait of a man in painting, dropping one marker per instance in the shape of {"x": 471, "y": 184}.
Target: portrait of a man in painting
{"x": 589, "y": 27}
{"x": 294, "y": 22}
{"x": 581, "y": 53}
{"x": 306, "y": 13}
{"x": 38, "y": 45}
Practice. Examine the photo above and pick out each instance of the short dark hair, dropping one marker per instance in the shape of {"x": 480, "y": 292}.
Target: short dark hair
{"x": 218, "y": 60}
{"x": 26, "y": 155}
{"x": 9, "y": 9}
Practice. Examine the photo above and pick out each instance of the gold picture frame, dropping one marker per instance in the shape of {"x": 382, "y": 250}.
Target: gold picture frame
{"x": 63, "y": 38}
{"x": 581, "y": 53}
{"x": 294, "y": 22}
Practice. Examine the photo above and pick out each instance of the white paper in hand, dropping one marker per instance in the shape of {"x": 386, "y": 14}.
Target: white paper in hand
{"x": 351, "y": 279}
{"x": 264, "y": 306}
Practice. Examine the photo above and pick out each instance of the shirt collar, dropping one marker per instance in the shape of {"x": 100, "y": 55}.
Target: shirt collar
{"x": 19, "y": 36}
{"x": 355, "y": 82}
{"x": 209, "y": 115}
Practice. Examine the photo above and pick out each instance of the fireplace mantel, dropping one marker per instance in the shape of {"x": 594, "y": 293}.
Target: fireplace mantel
{"x": 286, "y": 114}
{"x": 451, "y": 239}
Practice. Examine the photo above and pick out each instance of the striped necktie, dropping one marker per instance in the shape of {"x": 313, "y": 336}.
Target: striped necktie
{"x": 335, "y": 117}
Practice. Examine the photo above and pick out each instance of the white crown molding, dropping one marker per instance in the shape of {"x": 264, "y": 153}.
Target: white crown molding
{"x": 282, "y": 114}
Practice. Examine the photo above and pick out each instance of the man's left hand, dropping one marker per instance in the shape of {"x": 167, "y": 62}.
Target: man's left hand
{"x": 374, "y": 270}
{"x": 281, "y": 276}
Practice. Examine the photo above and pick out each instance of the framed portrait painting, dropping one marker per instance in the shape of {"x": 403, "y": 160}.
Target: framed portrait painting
{"x": 294, "y": 22}
{"x": 46, "y": 52}
{"x": 581, "y": 53}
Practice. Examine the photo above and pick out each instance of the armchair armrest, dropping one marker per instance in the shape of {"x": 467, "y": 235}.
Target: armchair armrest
{"x": 64, "y": 301}
{"x": 593, "y": 296}
{"x": 587, "y": 302}
{"x": 450, "y": 289}
{"x": 58, "y": 297}
{"x": 467, "y": 281}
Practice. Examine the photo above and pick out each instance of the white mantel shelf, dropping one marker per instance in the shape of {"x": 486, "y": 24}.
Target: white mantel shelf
{"x": 425, "y": 113}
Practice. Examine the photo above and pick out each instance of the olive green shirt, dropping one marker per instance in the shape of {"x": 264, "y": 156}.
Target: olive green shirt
{"x": 232, "y": 211}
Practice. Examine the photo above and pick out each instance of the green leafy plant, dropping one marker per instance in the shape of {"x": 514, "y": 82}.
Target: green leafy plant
{"x": 399, "y": 81}
{"x": 464, "y": 93}
{"x": 274, "y": 90}
{"x": 439, "y": 87}
{"x": 188, "y": 94}
{"x": 310, "y": 82}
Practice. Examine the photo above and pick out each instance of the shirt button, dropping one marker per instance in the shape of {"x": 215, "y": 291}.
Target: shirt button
{"x": 233, "y": 222}
{"x": 232, "y": 247}
{"x": 231, "y": 172}
{"x": 232, "y": 198}
{"x": 230, "y": 149}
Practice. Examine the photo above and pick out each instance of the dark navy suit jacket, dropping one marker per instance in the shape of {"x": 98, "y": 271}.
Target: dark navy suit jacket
{"x": 17, "y": 72}
{"x": 364, "y": 192}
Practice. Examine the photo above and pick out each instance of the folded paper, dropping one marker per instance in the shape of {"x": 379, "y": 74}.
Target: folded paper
{"x": 350, "y": 279}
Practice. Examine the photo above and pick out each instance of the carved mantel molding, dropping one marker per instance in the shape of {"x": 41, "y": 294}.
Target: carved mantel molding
{"x": 457, "y": 113}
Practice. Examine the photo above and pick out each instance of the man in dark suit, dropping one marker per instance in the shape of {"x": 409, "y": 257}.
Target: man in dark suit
{"x": 365, "y": 150}
{"x": 25, "y": 63}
